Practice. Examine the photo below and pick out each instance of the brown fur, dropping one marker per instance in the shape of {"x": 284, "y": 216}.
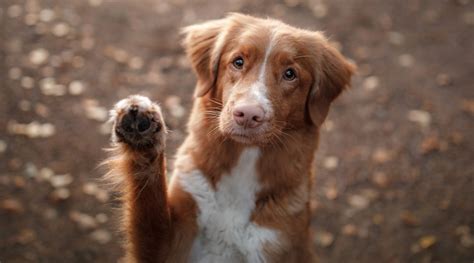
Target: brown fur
{"x": 161, "y": 224}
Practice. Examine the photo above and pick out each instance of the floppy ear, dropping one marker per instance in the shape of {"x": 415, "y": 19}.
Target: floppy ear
{"x": 331, "y": 78}
{"x": 203, "y": 45}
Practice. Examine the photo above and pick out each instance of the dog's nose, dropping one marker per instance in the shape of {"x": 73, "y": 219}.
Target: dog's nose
{"x": 249, "y": 116}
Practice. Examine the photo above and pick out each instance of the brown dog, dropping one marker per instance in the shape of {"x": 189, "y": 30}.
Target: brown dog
{"x": 241, "y": 184}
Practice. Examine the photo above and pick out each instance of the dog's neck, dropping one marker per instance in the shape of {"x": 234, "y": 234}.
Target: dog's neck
{"x": 285, "y": 163}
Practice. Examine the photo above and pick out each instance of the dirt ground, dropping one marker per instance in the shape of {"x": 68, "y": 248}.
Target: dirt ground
{"x": 395, "y": 170}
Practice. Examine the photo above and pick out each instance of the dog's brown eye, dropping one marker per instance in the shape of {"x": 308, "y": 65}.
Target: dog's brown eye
{"x": 238, "y": 63}
{"x": 289, "y": 74}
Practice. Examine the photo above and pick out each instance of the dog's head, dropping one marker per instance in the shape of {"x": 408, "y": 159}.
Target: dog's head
{"x": 261, "y": 77}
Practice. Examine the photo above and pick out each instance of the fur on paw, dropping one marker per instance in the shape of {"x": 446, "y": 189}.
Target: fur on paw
{"x": 138, "y": 122}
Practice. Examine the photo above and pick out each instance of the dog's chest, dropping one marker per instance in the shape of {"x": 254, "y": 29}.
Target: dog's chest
{"x": 225, "y": 229}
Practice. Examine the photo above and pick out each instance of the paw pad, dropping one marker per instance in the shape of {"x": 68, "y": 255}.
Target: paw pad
{"x": 137, "y": 121}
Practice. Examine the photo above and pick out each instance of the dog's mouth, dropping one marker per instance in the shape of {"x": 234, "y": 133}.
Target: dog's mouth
{"x": 249, "y": 136}
{"x": 242, "y": 138}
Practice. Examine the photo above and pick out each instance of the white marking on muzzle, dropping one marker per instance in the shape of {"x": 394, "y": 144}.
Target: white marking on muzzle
{"x": 259, "y": 90}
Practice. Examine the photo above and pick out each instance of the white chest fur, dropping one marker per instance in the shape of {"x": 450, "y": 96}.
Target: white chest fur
{"x": 226, "y": 233}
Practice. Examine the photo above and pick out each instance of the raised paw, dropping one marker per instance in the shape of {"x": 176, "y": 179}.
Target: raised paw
{"x": 138, "y": 122}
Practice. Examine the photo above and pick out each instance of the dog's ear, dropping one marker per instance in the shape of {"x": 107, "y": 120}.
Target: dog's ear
{"x": 331, "y": 76}
{"x": 203, "y": 45}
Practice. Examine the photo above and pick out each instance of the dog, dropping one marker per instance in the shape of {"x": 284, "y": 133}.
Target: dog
{"x": 241, "y": 184}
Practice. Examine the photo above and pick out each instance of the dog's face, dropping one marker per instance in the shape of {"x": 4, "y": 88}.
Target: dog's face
{"x": 262, "y": 78}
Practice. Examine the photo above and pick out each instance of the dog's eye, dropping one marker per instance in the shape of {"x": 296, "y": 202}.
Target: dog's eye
{"x": 238, "y": 63}
{"x": 289, "y": 74}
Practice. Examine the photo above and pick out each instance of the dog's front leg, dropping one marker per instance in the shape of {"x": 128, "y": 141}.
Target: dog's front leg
{"x": 138, "y": 161}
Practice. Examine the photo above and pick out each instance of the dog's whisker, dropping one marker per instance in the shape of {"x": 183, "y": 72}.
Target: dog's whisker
{"x": 289, "y": 136}
{"x": 213, "y": 131}
{"x": 211, "y": 114}
{"x": 214, "y": 108}
{"x": 298, "y": 57}
{"x": 215, "y": 101}
{"x": 280, "y": 141}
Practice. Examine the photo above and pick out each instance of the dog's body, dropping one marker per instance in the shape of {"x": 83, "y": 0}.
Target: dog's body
{"x": 241, "y": 184}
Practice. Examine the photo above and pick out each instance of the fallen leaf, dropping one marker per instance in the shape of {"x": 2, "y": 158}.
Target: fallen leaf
{"x": 102, "y": 196}
{"x": 26, "y": 236}
{"x": 14, "y": 11}
{"x": 42, "y": 110}
{"x": 50, "y": 213}
{"x": 45, "y": 174}
{"x": 32, "y": 130}
{"x": 101, "y": 218}
{"x": 76, "y": 87}
{"x": 60, "y": 194}
{"x": 319, "y": 9}
{"x": 349, "y": 230}
{"x": 406, "y": 60}
{"x": 371, "y": 83}
{"x": 396, "y": 38}
{"x": 421, "y": 117}
{"x": 102, "y": 236}
{"x": 12, "y": 206}
{"x": 443, "y": 80}
{"x": 468, "y": 18}
{"x": 95, "y": 3}
{"x": 358, "y": 201}
{"x": 173, "y": 104}
{"x": 409, "y": 219}
{"x": 324, "y": 238}
{"x": 14, "y": 73}
{"x": 46, "y": 15}
{"x": 49, "y": 87}
{"x": 430, "y": 144}
{"x": 83, "y": 220}
{"x": 330, "y": 162}
{"x": 61, "y": 29}
{"x": 456, "y": 137}
{"x": 90, "y": 188}
{"x": 31, "y": 171}
{"x": 313, "y": 205}
{"x": 31, "y": 19}
{"x": 135, "y": 63}
{"x": 3, "y": 146}
{"x": 27, "y": 82}
{"x": 380, "y": 179}
{"x": 463, "y": 230}
{"x": 39, "y": 56}
{"x": 93, "y": 111}
{"x": 468, "y": 106}
{"x": 378, "y": 219}
{"x": 331, "y": 192}
{"x": 381, "y": 155}
{"x": 19, "y": 182}
{"x": 58, "y": 181}
{"x": 467, "y": 241}
{"x": 427, "y": 241}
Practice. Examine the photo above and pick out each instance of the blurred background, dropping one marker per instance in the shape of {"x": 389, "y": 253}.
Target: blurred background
{"x": 395, "y": 167}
